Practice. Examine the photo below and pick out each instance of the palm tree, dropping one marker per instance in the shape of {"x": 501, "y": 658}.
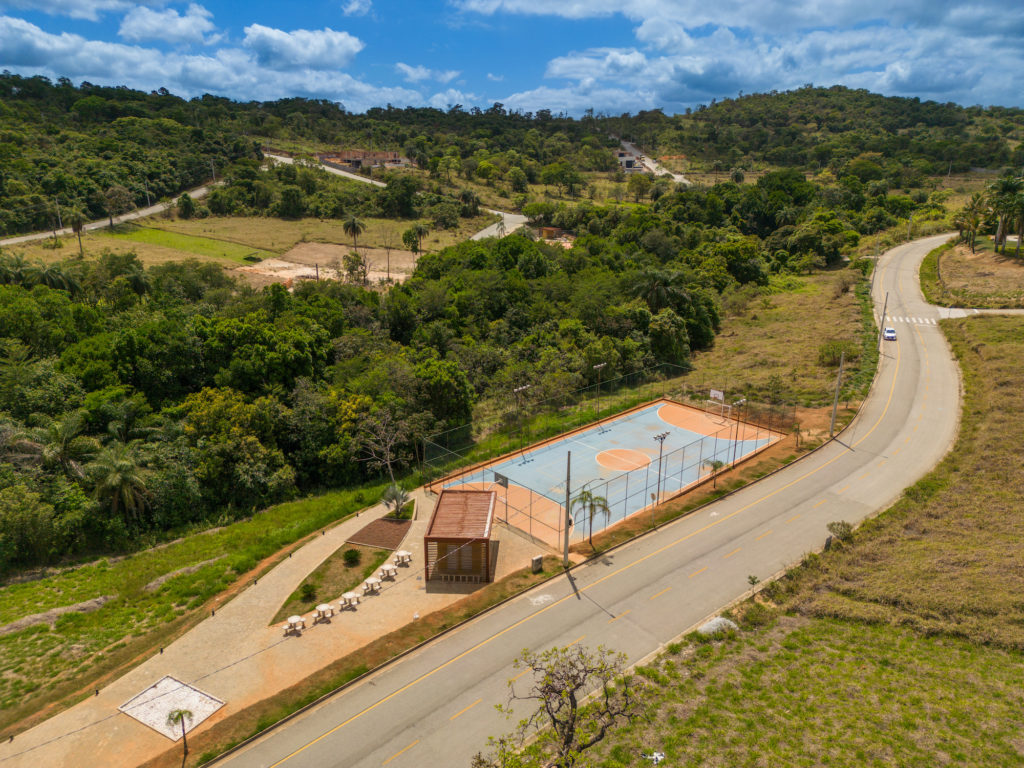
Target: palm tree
{"x": 659, "y": 289}
{"x": 120, "y": 481}
{"x": 421, "y": 231}
{"x": 1001, "y": 193}
{"x": 354, "y": 228}
{"x": 61, "y": 445}
{"x": 176, "y": 716}
{"x": 591, "y": 504}
{"x": 395, "y": 498}
{"x": 77, "y": 221}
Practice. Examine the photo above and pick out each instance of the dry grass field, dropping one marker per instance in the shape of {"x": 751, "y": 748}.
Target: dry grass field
{"x": 955, "y": 277}
{"x": 900, "y": 647}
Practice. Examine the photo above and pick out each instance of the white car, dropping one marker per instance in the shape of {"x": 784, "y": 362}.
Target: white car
{"x": 889, "y": 334}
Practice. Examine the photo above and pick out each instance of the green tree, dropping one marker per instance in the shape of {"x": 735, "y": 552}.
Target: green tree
{"x": 117, "y": 200}
{"x": 639, "y": 185}
{"x": 61, "y": 445}
{"x": 292, "y": 204}
{"x": 186, "y": 206}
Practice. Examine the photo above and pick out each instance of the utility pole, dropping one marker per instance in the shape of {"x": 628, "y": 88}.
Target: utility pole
{"x": 60, "y": 224}
{"x": 598, "y": 368}
{"x": 881, "y": 324}
{"x": 736, "y": 442}
{"x": 835, "y": 401}
{"x": 568, "y": 505}
{"x": 657, "y": 497}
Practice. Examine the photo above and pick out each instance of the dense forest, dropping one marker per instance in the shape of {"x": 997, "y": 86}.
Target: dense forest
{"x": 137, "y": 400}
{"x": 102, "y": 150}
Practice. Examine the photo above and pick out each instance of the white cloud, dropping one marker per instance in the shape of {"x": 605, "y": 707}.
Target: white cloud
{"x": 76, "y": 9}
{"x": 233, "y": 72}
{"x": 495, "y": 78}
{"x": 316, "y": 49}
{"x": 169, "y": 26}
{"x": 419, "y": 73}
{"x": 357, "y": 7}
{"x": 450, "y": 98}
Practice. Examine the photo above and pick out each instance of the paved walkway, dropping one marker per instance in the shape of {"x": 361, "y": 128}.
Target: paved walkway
{"x": 238, "y": 657}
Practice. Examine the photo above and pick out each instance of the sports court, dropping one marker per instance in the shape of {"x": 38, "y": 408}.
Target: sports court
{"x": 616, "y": 459}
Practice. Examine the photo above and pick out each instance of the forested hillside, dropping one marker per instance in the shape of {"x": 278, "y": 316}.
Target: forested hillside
{"x": 103, "y": 151}
{"x": 816, "y": 128}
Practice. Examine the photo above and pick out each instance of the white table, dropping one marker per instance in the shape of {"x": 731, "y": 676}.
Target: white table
{"x": 403, "y": 557}
{"x": 388, "y": 571}
{"x": 294, "y": 624}
{"x": 349, "y": 600}
{"x": 323, "y": 611}
{"x": 372, "y": 584}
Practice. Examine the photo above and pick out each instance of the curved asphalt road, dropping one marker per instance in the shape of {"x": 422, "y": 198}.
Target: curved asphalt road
{"x": 436, "y": 705}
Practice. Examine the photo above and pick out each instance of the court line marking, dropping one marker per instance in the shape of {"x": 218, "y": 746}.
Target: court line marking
{"x": 402, "y": 752}
{"x": 726, "y": 557}
{"x": 629, "y": 566}
{"x": 465, "y": 709}
{"x": 659, "y": 594}
{"x": 698, "y": 572}
{"x": 766, "y": 533}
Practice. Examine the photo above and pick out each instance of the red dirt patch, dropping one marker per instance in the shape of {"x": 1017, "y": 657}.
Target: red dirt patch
{"x": 382, "y": 533}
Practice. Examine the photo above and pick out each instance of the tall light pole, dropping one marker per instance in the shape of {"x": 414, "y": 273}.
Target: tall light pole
{"x": 518, "y": 391}
{"x": 661, "y": 449}
{"x": 736, "y": 442}
{"x": 598, "y": 367}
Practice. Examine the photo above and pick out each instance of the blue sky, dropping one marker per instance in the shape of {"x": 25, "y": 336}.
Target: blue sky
{"x": 564, "y": 55}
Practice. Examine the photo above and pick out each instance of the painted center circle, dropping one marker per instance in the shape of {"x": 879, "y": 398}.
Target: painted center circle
{"x": 622, "y": 459}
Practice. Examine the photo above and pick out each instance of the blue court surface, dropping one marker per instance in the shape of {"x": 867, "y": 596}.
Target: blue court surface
{"x": 617, "y": 460}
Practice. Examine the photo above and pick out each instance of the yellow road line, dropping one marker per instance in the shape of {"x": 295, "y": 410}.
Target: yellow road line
{"x": 699, "y": 572}
{"x": 726, "y": 557}
{"x": 659, "y": 594}
{"x": 620, "y": 615}
{"x": 794, "y": 517}
{"x": 629, "y": 566}
{"x": 766, "y": 533}
{"x": 866, "y": 474}
{"x": 819, "y": 503}
{"x": 402, "y": 752}
{"x": 843, "y": 489}
{"x": 521, "y": 674}
{"x": 570, "y": 645}
{"x": 465, "y": 710}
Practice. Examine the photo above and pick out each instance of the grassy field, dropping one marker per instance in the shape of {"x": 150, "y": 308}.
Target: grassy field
{"x": 278, "y": 235}
{"x": 49, "y": 663}
{"x": 952, "y": 276}
{"x": 332, "y": 578}
{"x": 769, "y": 340}
{"x": 901, "y": 647}
{"x": 190, "y": 244}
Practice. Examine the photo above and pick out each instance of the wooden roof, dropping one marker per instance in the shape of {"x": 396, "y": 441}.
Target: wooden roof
{"x": 462, "y": 515}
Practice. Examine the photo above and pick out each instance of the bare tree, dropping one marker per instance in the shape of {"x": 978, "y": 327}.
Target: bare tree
{"x": 564, "y": 678}
{"x": 381, "y": 433}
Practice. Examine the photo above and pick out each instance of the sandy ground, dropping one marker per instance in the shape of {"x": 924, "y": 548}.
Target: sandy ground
{"x": 303, "y": 261}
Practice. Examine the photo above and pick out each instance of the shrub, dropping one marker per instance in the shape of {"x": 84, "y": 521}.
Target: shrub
{"x": 830, "y": 352}
{"x": 841, "y": 530}
{"x": 308, "y": 592}
{"x": 351, "y": 558}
